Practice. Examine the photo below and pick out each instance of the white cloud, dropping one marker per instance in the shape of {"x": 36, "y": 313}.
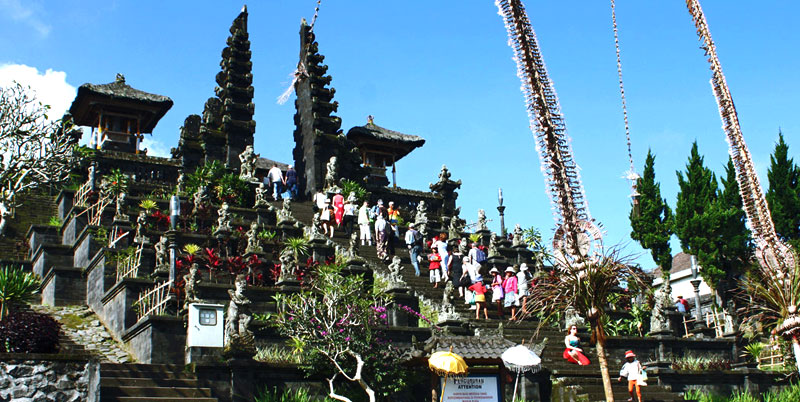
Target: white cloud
{"x": 26, "y": 13}
{"x": 154, "y": 147}
{"x": 51, "y": 86}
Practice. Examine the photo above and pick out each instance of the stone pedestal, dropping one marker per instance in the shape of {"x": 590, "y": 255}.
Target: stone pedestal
{"x": 485, "y": 235}
{"x": 399, "y": 317}
{"x": 319, "y": 248}
{"x": 356, "y": 267}
{"x": 203, "y": 355}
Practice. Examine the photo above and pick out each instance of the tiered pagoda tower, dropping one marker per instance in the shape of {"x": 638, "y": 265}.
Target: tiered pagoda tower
{"x": 227, "y": 125}
{"x": 318, "y": 134}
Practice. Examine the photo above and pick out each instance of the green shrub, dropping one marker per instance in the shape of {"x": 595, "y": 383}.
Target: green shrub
{"x": 16, "y": 286}
{"x": 232, "y": 189}
{"x": 29, "y": 333}
{"x": 54, "y": 221}
{"x": 350, "y": 186}
{"x": 289, "y": 395}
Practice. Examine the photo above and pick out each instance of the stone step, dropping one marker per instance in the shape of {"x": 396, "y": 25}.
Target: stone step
{"x": 157, "y": 399}
{"x": 155, "y": 392}
{"x": 114, "y": 381}
{"x": 145, "y": 374}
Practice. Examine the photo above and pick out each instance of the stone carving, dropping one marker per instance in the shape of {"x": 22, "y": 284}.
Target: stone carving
{"x": 212, "y": 112}
{"x": 463, "y": 246}
{"x": 238, "y": 338}
{"x": 248, "y": 160}
{"x": 571, "y": 317}
{"x": 316, "y": 221}
{"x": 285, "y": 213}
{"x": 455, "y": 228}
{"x": 482, "y": 220}
{"x": 253, "y": 245}
{"x": 494, "y": 242}
{"x": 180, "y": 186}
{"x": 517, "y": 240}
{"x": 141, "y": 223}
{"x": 352, "y": 247}
{"x": 262, "y": 192}
{"x": 447, "y": 310}
{"x": 659, "y": 320}
{"x": 161, "y": 253}
{"x": 122, "y": 208}
{"x": 224, "y": 220}
{"x": 191, "y": 282}
{"x": 422, "y": 210}
{"x": 200, "y": 198}
{"x": 287, "y": 265}
{"x": 446, "y": 188}
{"x": 444, "y": 174}
{"x": 395, "y": 279}
{"x": 331, "y": 176}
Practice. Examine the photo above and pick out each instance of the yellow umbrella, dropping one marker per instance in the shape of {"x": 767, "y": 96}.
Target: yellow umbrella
{"x": 447, "y": 364}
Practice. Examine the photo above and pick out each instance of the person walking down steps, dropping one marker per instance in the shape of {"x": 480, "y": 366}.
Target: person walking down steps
{"x": 414, "y": 243}
{"x": 632, "y": 370}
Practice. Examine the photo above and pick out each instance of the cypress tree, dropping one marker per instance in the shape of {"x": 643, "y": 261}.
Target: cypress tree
{"x": 782, "y": 195}
{"x": 698, "y": 218}
{"x": 651, "y": 222}
{"x": 734, "y": 240}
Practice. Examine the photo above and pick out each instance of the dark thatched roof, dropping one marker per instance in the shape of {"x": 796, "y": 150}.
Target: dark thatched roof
{"x": 374, "y": 137}
{"x": 121, "y": 97}
{"x": 470, "y": 347}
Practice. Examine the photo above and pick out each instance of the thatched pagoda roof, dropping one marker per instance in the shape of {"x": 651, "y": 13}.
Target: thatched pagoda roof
{"x": 376, "y": 138}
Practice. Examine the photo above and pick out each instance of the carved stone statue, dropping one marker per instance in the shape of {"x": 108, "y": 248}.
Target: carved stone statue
{"x": 571, "y": 317}
{"x": 447, "y": 295}
{"x": 180, "y": 186}
{"x": 285, "y": 213}
{"x": 447, "y": 310}
{"x": 248, "y": 159}
{"x": 191, "y": 280}
{"x": 516, "y": 240}
{"x": 659, "y": 320}
{"x": 494, "y": 242}
{"x": 352, "y": 247}
{"x": 287, "y": 265}
{"x": 141, "y": 223}
{"x": 422, "y": 210}
{"x": 161, "y": 253}
{"x": 238, "y": 338}
{"x": 395, "y": 279}
{"x": 444, "y": 174}
{"x": 121, "y": 214}
{"x": 463, "y": 246}
{"x": 482, "y": 220}
{"x": 224, "y": 220}
{"x": 331, "y": 176}
{"x": 316, "y": 222}
{"x": 262, "y": 193}
{"x": 200, "y": 198}
{"x": 253, "y": 245}
{"x": 455, "y": 228}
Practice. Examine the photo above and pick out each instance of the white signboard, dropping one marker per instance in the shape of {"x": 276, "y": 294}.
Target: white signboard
{"x": 473, "y": 388}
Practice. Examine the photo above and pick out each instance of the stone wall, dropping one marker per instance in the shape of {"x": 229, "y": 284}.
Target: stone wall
{"x": 30, "y": 378}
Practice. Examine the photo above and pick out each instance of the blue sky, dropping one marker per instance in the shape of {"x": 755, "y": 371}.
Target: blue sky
{"x": 443, "y": 70}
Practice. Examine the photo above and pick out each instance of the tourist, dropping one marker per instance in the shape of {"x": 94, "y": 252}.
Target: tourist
{"x": 350, "y": 214}
{"x": 319, "y": 200}
{"x": 523, "y": 277}
{"x": 632, "y": 370}
{"x": 381, "y": 238}
{"x": 573, "y": 353}
{"x": 394, "y": 218}
{"x": 456, "y": 270}
{"x": 363, "y": 224}
{"x": 479, "y": 290}
{"x": 414, "y": 244}
{"x": 338, "y": 207}
{"x": 276, "y": 181}
{"x": 682, "y": 305}
{"x": 290, "y": 182}
{"x": 476, "y": 255}
{"x": 497, "y": 291}
{"x": 440, "y": 243}
{"x": 470, "y": 276}
{"x": 376, "y": 210}
{"x": 510, "y": 291}
{"x": 435, "y": 265}
{"x": 326, "y": 217}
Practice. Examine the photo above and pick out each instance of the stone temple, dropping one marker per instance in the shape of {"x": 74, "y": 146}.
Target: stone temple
{"x": 115, "y": 271}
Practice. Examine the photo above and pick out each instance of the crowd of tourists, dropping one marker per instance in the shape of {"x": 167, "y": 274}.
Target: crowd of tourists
{"x": 281, "y": 183}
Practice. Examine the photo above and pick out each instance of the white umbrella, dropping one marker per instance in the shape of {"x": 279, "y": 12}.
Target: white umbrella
{"x": 520, "y": 359}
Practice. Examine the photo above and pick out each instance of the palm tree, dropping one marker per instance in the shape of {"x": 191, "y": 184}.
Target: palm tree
{"x": 299, "y": 246}
{"x": 586, "y": 285}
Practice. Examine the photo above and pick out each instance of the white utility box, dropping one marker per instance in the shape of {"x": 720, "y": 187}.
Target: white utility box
{"x": 206, "y": 326}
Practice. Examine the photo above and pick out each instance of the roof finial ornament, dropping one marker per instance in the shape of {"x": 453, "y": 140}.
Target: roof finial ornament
{"x": 244, "y": 8}
{"x": 120, "y": 78}
{"x": 370, "y": 119}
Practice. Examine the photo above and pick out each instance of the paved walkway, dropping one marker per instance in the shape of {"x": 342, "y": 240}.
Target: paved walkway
{"x": 84, "y": 328}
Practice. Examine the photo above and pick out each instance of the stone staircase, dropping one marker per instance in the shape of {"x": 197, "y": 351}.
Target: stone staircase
{"x": 150, "y": 382}
{"x": 80, "y": 326}
{"x": 570, "y": 380}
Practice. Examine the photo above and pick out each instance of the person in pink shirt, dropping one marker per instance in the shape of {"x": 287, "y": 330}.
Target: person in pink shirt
{"x": 510, "y": 291}
{"x": 338, "y": 207}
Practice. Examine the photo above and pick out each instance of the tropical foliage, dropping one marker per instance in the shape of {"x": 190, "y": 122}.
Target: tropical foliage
{"x": 350, "y": 186}
{"x": 339, "y": 324}
{"x": 16, "y": 286}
